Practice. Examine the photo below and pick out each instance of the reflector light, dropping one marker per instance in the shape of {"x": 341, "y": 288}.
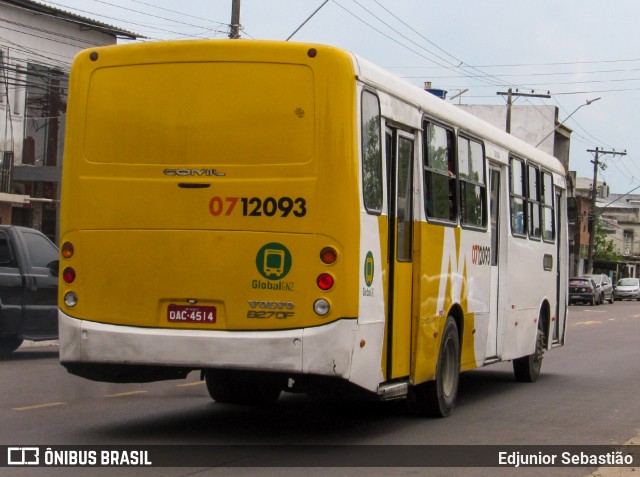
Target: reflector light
{"x": 321, "y": 307}
{"x": 328, "y": 255}
{"x": 69, "y": 275}
{"x": 71, "y": 299}
{"x": 67, "y": 250}
{"x": 325, "y": 281}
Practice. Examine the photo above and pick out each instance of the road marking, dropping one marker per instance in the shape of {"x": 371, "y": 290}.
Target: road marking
{"x": 39, "y": 406}
{"x": 197, "y": 383}
{"x": 588, "y": 322}
{"x": 130, "y": 393}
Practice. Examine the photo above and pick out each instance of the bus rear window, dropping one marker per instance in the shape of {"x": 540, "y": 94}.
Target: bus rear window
{"x": 200, "y": 113}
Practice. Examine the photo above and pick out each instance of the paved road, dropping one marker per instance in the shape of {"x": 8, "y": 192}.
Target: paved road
{"x": 587, "y": 394}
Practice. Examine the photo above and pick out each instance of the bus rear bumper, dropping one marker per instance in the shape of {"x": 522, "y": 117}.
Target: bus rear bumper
{"x": 324, "y": 350}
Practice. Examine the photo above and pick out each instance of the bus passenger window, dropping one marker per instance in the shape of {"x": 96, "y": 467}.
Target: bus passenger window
{"x": 472, "y": 183}
{"x": 371, "y": 153}
{"x": 440, "y": 201}
{"x": 548, "y": 226}
{"x": 533, "y": 191}
{"x": 518, "y": 223}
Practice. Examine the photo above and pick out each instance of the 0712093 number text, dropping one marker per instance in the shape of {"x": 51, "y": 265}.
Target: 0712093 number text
{"x": 257, "y": 207}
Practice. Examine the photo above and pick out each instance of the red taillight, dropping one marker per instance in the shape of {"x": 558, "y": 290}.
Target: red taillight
{"x": 69, "y": 275}
{"x": 325, "y": 281}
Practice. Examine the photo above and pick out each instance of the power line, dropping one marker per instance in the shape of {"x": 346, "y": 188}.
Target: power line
{"x": 447, "y": 64}
{"x": 511, "y": 75}
{"x": 460, "y": 62}
{"x": 181, "y": 13}
{"x": 130, "y": 22}
{"x": 510, "y": 94}
{"x": 150, "y": 14}
{"x": 519, "y": 65}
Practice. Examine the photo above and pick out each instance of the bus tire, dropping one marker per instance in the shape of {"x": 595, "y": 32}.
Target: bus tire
{"x": 233, "y": 387}
{"x": 527, "y": 369}
{"x": 437, "y": 398}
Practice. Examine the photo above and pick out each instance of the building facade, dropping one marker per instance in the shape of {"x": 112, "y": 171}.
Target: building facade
{"x": 536, "y": 125}
{"x": 618, "y": 215}
{"x": 37, "y": 46}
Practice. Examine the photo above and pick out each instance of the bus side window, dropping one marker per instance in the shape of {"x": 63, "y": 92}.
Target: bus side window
{"x": 440, "y": 200}
{"x": 548, "y": 225}
{"x": 371, "y": 153}
{"x": 518, "y": 211}
{"x": 472, "y": 183}
{"x": 533, "y": 191}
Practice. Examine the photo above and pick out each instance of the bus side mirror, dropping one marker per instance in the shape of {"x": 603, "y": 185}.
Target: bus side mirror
{"x": 572, "y": 210}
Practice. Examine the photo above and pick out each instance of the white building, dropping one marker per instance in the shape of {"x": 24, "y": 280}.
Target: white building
{"x": 37, "y": 46}
{"x": 536, "y": 125}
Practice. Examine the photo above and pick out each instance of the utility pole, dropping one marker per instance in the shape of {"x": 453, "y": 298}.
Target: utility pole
{"x": 510, "y": 94}
{"x": 594, "y": 192}
{"x": 234, "y": 33}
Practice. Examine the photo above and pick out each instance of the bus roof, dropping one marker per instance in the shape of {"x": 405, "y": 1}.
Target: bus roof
{"x": 439, "y": 109}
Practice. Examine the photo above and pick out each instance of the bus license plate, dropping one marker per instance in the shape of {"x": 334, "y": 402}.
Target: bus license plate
{"x": 191, "y": 314}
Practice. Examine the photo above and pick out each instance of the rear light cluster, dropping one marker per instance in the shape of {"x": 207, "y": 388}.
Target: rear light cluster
{"x": 69, "y": 275}
{"x": 325, "y": 281}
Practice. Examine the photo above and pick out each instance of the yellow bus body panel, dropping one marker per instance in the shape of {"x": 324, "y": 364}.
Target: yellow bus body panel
{"x": 187, "y": 160}
{"x": 431, "y": 317}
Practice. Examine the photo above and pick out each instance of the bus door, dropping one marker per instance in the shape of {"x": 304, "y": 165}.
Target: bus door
{"x": 400, "y": 152}
{"x": 494, "y": 211}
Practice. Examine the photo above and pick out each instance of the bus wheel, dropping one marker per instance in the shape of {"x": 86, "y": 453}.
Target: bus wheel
{"x": 232, "y": 387}
{"x": 8, "y": 344}
{"x": 527, "y": 368}
{"x": 437, "y": 398}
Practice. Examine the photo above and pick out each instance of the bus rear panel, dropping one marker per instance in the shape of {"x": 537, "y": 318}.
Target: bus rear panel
{"x": 200, "y": 190}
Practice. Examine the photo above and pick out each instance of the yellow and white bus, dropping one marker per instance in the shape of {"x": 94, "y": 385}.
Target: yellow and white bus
{"x": 286, "y": 216}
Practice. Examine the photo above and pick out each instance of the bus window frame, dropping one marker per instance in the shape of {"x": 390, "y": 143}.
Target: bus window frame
{"x": 452, "y": 175}
{"x": 544, "y": 205}
{"x": 523, "y": 197}
{"x": 380, "y": 166}
{"x": 483, "y": 185}
{"x": 533, "y": 201}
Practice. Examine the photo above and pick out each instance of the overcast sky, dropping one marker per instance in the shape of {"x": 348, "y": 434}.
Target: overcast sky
{"x": 577, "y": 50}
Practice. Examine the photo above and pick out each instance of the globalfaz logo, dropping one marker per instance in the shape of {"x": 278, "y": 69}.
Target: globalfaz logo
{"x": 369, "y": 271}
{"x": 23, "y": 456}
{"x": 273, "y": 262}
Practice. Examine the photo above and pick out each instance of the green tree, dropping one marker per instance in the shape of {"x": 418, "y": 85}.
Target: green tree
{"x": 603, "y": 247}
